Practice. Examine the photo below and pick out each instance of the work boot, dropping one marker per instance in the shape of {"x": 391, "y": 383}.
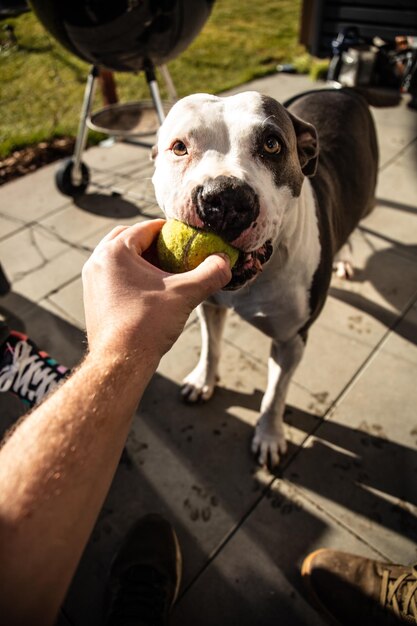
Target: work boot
{"x": 145, "y": 576}
{"x": 26, "y": 371}
{"x": 351, "y": 590}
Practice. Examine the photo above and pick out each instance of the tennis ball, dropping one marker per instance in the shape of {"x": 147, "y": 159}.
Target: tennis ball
{"x": 181, "y": 247}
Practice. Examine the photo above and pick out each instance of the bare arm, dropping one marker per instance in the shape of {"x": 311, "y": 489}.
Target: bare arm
{"x": 57, "y": 466}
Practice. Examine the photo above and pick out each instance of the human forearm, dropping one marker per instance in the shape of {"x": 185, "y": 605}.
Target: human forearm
{"x": 55, "y": 472}
{"x": 57, "y": 466}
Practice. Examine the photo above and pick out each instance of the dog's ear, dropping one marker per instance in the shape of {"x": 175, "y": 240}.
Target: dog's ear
{"x": 154, "y": 152}
{"x": 307, "y": 145}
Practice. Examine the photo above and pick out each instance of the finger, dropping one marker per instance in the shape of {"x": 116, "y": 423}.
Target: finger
{"x": 140, "y": 236}
{"x": 113, "y": 233}
{"x": 209, "y": 277}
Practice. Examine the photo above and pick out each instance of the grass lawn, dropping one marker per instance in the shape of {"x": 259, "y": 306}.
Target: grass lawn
{"x": 41, "y": 84}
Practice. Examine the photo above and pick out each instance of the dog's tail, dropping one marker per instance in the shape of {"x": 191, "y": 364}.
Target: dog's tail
{"x": 377, "y": 97}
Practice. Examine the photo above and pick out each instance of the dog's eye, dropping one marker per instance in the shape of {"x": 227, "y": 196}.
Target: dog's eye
{"x": 272, "y": 145}
{"x": 179, "y": 148}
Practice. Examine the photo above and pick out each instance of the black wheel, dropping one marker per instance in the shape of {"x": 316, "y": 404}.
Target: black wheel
{"x": 64, "y": 182}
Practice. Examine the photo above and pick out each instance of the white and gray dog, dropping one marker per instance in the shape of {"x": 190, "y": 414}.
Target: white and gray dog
{"x": 286, "y": 186}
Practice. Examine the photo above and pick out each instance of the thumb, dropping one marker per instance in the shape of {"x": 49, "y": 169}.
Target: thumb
{"x": 210, "y": 276}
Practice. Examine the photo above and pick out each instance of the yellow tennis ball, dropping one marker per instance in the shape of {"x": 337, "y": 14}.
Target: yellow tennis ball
{"x": 181, "y": 247}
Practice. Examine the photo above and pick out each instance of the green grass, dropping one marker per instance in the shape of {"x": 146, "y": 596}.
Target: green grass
{"x": 42, "y": 85}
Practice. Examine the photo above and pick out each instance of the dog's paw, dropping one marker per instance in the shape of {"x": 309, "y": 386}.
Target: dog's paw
{"x": 269, "y": 445}
{"x": 196, "y": 387}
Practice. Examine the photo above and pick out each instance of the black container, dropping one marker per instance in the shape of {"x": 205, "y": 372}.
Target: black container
{"x": 124, "y": 35}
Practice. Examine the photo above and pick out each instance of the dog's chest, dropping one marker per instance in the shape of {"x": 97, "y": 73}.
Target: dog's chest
{"x": 277, "y": 302}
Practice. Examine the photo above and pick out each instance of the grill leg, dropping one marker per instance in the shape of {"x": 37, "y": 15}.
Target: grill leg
{"x": 154, "y": 89}
{"x": 82, "y": 128}
{"x": 173, "y": 96}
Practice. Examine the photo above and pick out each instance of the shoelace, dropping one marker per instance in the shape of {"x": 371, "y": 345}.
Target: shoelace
{"x": 143, "y": 594}
{"x": 27, "y": 369}
{"x": 400, "y": 594}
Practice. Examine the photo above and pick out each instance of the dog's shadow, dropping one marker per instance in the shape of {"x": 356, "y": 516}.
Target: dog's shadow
{"x": 383, "y": 271}
{"x": 205, "y": 435}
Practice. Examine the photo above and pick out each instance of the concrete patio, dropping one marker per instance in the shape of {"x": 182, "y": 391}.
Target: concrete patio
{"x": 349, "y": 478}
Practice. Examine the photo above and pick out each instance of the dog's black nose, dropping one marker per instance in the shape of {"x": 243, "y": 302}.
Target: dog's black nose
{"x": 226, "y": 205}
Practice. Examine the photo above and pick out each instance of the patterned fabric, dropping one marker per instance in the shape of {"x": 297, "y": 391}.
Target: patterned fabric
{"x": 26, "y": 371}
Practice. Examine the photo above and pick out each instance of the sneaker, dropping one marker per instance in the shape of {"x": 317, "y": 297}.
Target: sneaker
{"x": 145, "y": 576}
{"x": 4, "y": 330}
{"x": 26, "y": 371}
{"x": 350, "y": 589}
{"x": 4, "y": 283}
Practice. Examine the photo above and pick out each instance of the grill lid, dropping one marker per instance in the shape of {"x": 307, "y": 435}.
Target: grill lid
{"x": 124, "y": 35}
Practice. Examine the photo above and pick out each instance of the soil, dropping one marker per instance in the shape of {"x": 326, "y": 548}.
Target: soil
{"x": 29, "y": 159}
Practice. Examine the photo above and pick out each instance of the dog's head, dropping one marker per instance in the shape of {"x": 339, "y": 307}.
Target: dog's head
{"x": 234, "y": 166}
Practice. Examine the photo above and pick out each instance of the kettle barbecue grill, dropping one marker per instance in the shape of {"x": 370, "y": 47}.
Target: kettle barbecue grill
{"x": 122, "y": 36}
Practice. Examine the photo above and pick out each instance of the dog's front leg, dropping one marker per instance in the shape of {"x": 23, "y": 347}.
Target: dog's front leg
{"x": 269, "y": 439}
{"x": 200, "y": 383}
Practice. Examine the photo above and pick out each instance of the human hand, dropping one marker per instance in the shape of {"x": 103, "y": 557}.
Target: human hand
{"x": 134, "y": 309}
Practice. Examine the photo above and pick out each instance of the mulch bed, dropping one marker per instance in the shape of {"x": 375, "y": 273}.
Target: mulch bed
{"x": 29, "y": 159}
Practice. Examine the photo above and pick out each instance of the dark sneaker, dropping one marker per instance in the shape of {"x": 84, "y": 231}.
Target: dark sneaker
{"x": 352, "y": 590}
{"x": 4, "y": 331}
{"x": 145, "y": 576}
{"x": 4, "y": 283}
{"x": 26, "y": 371}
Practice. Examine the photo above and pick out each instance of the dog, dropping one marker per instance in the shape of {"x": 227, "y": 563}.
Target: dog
{"x": 286, "y": 185}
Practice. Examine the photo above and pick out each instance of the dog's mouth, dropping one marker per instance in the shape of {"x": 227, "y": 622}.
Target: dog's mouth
{"x": 249, "y": 265}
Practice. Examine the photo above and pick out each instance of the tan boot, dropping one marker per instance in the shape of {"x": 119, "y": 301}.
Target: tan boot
{"x": 351, "y": 590}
